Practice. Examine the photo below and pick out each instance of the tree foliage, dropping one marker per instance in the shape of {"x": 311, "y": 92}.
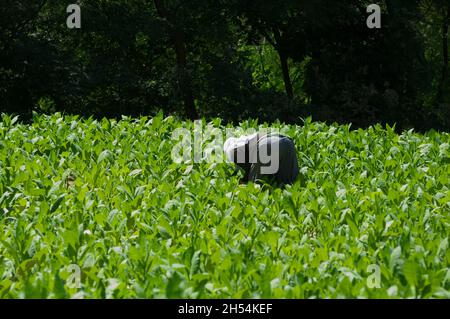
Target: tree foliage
{"x": 234, "y": 59}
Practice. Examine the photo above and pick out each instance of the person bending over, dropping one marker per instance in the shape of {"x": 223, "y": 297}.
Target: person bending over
{"x": 270, "y": 157}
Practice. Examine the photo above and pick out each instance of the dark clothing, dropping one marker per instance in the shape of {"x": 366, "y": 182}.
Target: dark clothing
{"x": 261, "y": 154}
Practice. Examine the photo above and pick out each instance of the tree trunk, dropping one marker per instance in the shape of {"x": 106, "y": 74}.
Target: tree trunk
{"x": 445, "y": 27}
{"x": 284, "y": 64}
{"x": 286, "y": 76}
{"x": 184, "y": 79}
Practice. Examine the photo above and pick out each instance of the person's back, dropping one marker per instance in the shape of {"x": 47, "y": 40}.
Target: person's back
{"x": 264, "y": 155}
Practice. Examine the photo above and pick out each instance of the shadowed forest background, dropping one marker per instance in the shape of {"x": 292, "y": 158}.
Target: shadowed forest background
{"x": 233, "y": 59}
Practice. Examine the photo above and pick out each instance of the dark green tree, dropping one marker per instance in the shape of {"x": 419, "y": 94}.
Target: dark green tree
{"x": 281, "y": 23}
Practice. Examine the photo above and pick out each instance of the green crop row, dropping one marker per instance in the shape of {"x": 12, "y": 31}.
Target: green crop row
{"x": 98, "y": 209}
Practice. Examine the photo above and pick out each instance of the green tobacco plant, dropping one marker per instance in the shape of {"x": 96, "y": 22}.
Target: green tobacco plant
{"x": 102, "y": 200}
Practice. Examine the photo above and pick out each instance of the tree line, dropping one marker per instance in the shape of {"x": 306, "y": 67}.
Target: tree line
{"x": 234, "y": 59}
